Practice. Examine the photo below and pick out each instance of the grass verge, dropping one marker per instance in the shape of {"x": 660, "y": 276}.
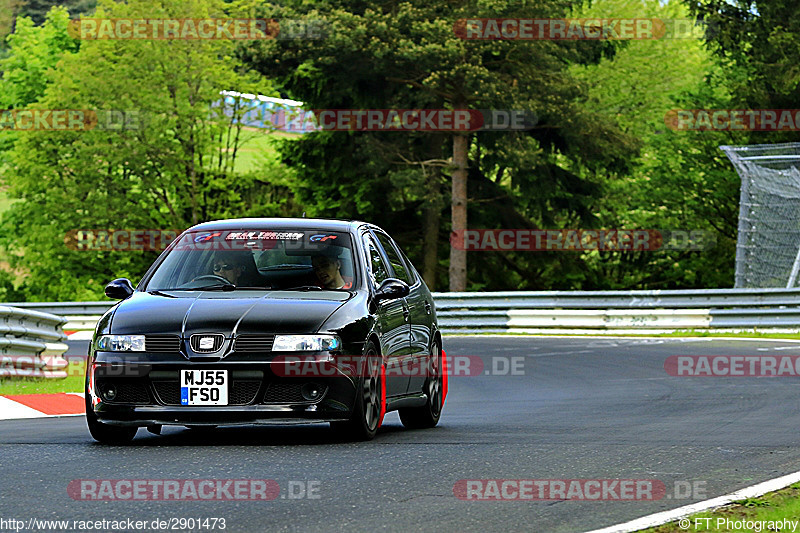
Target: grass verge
{"x": 72, "y": 383}
{"x": 753, "y": 514}
{"x": 604, "y": 333}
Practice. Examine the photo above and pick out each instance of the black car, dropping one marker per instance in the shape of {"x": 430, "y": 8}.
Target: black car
{"x": 254, "y": 321}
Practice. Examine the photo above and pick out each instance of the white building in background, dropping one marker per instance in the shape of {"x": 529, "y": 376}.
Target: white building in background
{"x": 266, "y": 112}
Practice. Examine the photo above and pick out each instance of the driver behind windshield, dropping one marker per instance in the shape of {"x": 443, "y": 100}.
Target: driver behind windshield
{"x": 327, "y": 268}
{"x": 229, "y": 266}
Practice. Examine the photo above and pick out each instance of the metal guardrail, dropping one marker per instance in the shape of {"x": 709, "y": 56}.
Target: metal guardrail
{"x": 67, "y": 308}
{"x": 640, "y": 311}
{"x": 31, "y": 343}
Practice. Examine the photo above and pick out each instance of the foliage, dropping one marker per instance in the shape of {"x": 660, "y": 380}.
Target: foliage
{"x": 600, "y": 155}
{"x": 171, "y": 166}
{"x": 406, "y": 55}
{"x": 680, "y": 180}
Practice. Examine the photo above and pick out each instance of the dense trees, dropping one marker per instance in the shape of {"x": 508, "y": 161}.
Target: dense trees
{"x": 599, "y": 156}
{"x": 407, "y": 55}
{"x": 175, "y": 166}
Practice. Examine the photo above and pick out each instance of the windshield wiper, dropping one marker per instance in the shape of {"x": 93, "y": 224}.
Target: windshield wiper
{"x": 305, "y": 288}
{"x": 285, "y": 267}
{"x": 159, "y": 292}
{"x": 218, "y": 286}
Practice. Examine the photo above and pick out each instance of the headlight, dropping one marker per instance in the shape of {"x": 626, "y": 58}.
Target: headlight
{"x": 120, "y": 343}
{"x": 305, "y": 343}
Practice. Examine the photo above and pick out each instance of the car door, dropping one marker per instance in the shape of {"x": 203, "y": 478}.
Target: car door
{"x": 393, "y": 318}
{"x": 419, "y": 309}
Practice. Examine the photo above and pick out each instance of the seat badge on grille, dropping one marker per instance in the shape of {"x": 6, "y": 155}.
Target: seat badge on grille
{"x": 206, "y": 343}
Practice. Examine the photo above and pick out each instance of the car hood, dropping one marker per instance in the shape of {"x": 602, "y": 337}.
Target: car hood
{"x": 230, "y": 313}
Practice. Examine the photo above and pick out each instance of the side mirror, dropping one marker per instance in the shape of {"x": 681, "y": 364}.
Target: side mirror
{"x": 391, "y": 289}
{"x": 119, "y": 289}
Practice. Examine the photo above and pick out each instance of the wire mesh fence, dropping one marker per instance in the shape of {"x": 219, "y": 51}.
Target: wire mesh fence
{"x": 768, "y": 244}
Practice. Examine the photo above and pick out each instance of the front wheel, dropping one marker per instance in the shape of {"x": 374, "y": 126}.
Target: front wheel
{"x": 428, "y": 415}
{"x": 368, "y": 406}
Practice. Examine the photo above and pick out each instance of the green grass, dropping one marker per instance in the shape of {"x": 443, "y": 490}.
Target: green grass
{"x": 72, "y": 383}
{"x": 681, "y": 333}
{"x": 257, "y": 148}
{"x": 5, "y": 201}
{"x": 774, "y": 506}
{"x": 745, "y": 334}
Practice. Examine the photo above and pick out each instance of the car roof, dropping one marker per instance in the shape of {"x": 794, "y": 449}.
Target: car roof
{"x": 328, "y": 224}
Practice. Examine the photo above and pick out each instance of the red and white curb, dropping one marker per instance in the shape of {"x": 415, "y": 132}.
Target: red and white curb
{"x": 13, "y": 407}
{"x": 80, "y": 335}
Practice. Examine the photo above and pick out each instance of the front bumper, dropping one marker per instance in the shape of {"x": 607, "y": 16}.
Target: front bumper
{"x": 208, "y": 416}
{"x": 149, "y": 393}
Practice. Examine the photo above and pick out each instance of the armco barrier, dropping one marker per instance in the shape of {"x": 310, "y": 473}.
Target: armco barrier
{"x": 640, "y": 311}
{"x": 31, "y": 344}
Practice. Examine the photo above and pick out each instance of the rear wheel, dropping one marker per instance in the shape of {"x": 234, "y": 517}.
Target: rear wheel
{"x": 103, "y": 432}
{"x": 428, "y": 415}
{"x": 365, "y": 418}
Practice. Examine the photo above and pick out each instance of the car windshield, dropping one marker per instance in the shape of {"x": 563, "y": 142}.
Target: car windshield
{"x": 277, "y": 259}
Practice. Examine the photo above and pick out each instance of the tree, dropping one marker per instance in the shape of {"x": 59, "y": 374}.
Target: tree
{"x": 407, "y": 55}
{"x": 757, "y": 42}
{"x": 175, "y": 166}
{"x": 8, "y": 12}
{"x": 680, "y": 180}
{"x": 29, "y": 67}
{"x": 36, "y": 11}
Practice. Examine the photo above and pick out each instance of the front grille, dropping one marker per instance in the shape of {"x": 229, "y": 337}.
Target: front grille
{"x": 162, "y": 343}
{"x": 253, "y": 343}
{"x": 240, "y": 391}
{"x": 195, "y": 342}
{"x": 283, "y": 393}
{"x": 169, "y": 392}
{"x": 127, "y": 391}
{"x": 243, "y": 392}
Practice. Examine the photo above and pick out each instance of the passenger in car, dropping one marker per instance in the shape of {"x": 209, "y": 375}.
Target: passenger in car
{"x": 327, "y": 268}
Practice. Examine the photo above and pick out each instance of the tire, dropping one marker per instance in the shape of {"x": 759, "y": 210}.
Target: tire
{"x": 365, "y": 418}
{"x": 428, "y": 415}
{"x": 105, "y": 433}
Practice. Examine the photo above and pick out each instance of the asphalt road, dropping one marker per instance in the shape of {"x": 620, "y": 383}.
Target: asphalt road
{"x": 582, "y": 408}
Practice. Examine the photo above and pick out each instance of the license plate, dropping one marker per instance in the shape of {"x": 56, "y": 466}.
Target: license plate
{"x": 204, "y": 387}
